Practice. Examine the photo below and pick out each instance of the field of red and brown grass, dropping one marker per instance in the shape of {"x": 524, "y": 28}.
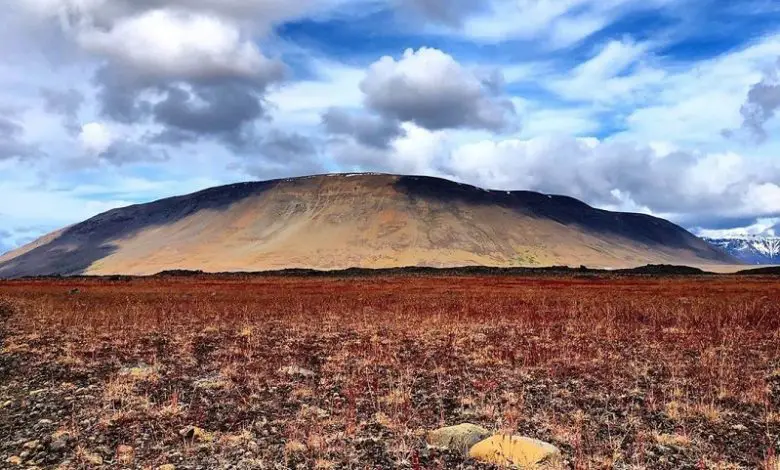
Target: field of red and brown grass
{"x": 266, "y": 372}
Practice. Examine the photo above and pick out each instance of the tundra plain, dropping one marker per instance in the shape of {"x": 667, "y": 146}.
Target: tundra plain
{"x": 205, "y": 371}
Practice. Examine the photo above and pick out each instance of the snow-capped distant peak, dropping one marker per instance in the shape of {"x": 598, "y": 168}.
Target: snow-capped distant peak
{"x": 753, "y": 249}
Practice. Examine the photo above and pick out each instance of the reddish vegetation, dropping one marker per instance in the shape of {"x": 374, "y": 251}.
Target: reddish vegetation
{"x": 617, "y": 372}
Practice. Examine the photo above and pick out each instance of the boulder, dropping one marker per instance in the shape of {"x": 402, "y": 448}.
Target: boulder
{"x": 514, "y": 451}
{"x": 458, "y": 438}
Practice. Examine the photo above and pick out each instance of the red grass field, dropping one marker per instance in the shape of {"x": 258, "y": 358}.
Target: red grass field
{"x": 629, "y": 372}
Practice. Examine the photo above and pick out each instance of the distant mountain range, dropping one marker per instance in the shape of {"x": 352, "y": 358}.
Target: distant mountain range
{"x": 750, "y": 249}
{"x": 357, "y": 220}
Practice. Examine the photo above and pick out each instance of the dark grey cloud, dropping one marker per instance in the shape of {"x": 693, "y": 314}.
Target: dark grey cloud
{"x": 279, "y": 154}
{"x": 282, "y": 147}
{"x": 197, "y": 85}
{"x": 372, "y": 131}
{"x": 188, "y": 110}
{"x": 763, "y": 101}
{"x": 124, "y": 152}
{"x": 119, "y": 95}
{"x": 11, "y": 143}
{"x": 226, "y": 111}
{"x": 445, "y": 96}
{"x": 65, "y": 103}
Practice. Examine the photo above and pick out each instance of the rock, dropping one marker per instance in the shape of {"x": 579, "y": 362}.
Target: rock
{"x": 297, "y": 371}
{"x": 194, "y": 433}
{"x": 14, "y": 460}
{"x": 313, "y": 412}
{"x": 521, "y": 452}
{"x": 58, "y": 445}
{"x": 167, "y": 466}
{"x": 45, "y": 422}
{"x": 458, "y": 438}
{"x": 91, "y": 458}
{"x": 31, "y": 445}
{"x": 5, "y": 404}
{"x": 104, "y": 450}
{"x": 124, "y": 454}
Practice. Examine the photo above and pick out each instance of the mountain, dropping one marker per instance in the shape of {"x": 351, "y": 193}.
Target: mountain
{"x": 750, "y": 249}
{"x": 356, "y": 220}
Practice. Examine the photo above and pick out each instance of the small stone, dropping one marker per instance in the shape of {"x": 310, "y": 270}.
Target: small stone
{"x": 93, "y": 459}
{"x": 125, "y": 454}
{"x": 58, "y": 445}
{"x": 167, "y": 466}
{"x": 458, "y": 438}
{"x": 5, "y": 404}
{"x": 314, "y": 412}
{"x": 31, "y": 444}
{"x": 105, "y": 450}
{"x": 14, "y": 460}
{"x": 24, "y": 454}
{"x": 521, "y": 452}
{"x": 297, "y": 371}
{"x": 194, "y": 433}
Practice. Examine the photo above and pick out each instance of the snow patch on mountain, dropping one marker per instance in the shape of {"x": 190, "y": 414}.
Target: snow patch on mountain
{"x": 753, "y": 249}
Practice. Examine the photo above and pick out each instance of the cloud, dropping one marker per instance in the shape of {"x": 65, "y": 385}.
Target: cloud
{"x": 449, "y": 12}
{"x": 177, "y": 44}
{"x": 687, "y": 186}
{"x": 762, "y": 227}
{"x": 282, "y": 154}
{"x": 431, "y": 89}
{"x": 224, "y": 110}
{"x": 6, "y": 244}
{"x": 687, "y": 104}
{"x": 101, "y": 143}
{"x": 551, "y": 24}
{"x": 12, "y": 144}
{"x": 206, "y": 78}
{"x": 620, "y": 73}
{"x": 65, "y": 103}
{"x": 415, "y": 151}
{"x": 192, "y": 69}
{"x": 96, "y": 138}
{"x": 371, "y": 131}
{"x": 763, "y": 101}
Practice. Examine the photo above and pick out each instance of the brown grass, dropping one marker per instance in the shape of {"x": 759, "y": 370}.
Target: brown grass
{"x": 631, "y": 372}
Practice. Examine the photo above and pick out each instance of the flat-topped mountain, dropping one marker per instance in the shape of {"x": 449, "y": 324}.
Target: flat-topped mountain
{"x": 356, "y": 220}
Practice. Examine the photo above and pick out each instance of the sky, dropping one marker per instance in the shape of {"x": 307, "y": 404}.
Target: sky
{"x": 665, "y": 107}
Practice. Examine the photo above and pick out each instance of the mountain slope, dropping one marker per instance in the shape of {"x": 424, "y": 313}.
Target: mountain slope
{"x": 750, "y": 249}
{"x": 360, "y": 220}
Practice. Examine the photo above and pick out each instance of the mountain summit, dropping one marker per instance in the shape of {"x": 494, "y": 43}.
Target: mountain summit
{"x": 356, "y": 220}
